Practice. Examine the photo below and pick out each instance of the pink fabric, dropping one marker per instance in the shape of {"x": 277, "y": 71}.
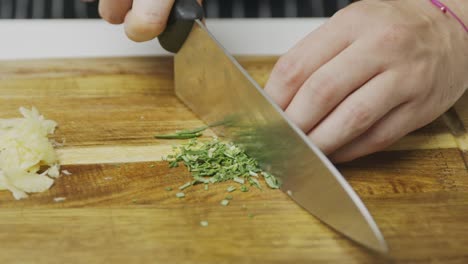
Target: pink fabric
{"x": 445, "y": 9}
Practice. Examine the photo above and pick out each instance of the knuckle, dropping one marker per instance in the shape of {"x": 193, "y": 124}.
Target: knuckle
{"x": 326, "y": 89}
{"x": 351, "y": 12}
{"x": 148, "y": 24}
{"x": 412, "y": 93}
{"x": 351, "y": 18}
{"x": 381, "y": 139}
{"x": 155, "y": 18}
{"x": 359, "y": 117}
{"x": 341, "y": 14}
{"x": 289, "y": 71}
{"x": 345, "y": 13}
{"x": 415, "y": 89}
{"x": 393, "y": 36}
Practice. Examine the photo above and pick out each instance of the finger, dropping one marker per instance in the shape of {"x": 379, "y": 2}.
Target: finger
{"x": 293, "y": 68}
{"x": 384, "y": 133}
{"x": 114, "y": 11}
{"x": 147, "y": 19}
{"x": 330, "y": 84}
{"x": 358, "y": 112}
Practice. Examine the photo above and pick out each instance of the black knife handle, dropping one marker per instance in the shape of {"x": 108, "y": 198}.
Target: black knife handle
{"x": 179, "y": 24}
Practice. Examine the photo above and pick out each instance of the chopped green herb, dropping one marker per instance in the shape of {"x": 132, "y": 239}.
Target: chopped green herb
{"x": 168, "y": 189}
{"x": 215, "y": 161}
{"x": 152, "y": 166}
{"x": 251, "y": 215}
{"x": 239, "y": 180}
{"x": 206, "y": 187}
{"x": 255, "y": 182}
{"x": 134, "y": 201}
{"x": 180, "y": 195}
{"x": 231, "y": 189}
{"x": 224, "y": 202}
{"x": 204, "y": 223}
{"x": 173, "y": 164}
{"x": 244, "y": 188}
{"x": 271, "y": 181}
{"x": 185, "y": 186}
{"x": 229, "y": 197}
{"x": 252, "y": 173}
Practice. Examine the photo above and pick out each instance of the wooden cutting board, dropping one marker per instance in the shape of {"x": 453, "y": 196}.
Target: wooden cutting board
{"x": 118, "y": 211}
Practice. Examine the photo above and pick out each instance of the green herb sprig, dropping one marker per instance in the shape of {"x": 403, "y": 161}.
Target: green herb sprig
{"x": 189, "y": 133}
{"x": 184, "y": 134}
{"x": 178, "y": 135}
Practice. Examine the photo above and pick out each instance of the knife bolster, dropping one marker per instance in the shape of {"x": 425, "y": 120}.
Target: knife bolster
{"x": 180, "y": 23}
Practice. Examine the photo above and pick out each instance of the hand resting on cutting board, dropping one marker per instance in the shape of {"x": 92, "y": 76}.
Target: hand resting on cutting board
{"x": 372, "y": 73}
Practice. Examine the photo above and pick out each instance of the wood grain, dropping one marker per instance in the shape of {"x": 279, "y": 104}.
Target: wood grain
{"x": 118, "y": 211}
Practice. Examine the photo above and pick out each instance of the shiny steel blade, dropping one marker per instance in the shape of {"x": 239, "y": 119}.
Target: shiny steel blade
{"x": 213, "y": 84}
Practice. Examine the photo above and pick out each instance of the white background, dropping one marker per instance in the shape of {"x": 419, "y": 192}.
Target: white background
{"x": 32, "y": 39}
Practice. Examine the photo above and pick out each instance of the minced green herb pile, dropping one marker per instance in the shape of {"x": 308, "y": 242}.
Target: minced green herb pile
{"x": 216, "y": 161}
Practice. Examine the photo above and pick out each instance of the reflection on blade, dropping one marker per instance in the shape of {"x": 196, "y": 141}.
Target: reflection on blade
{"x": 217, "y": 88}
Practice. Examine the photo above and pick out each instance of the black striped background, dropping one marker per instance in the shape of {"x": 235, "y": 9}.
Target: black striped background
{"x": 40, "y": 9}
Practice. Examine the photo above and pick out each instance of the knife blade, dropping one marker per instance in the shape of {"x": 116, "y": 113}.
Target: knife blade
{"x": 457, "y": 129}
{"x": 216, "y": 88}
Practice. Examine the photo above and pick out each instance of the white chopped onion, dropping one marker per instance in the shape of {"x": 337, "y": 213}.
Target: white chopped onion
{"x": 54, "y": 171}
{"x": 24, "y": 148}
{"x": 59, "y": 199}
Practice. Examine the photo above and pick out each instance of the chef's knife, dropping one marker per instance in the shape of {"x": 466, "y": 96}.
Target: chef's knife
{"x": 458, "y": 130}
{"x": 215, "y": 87}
